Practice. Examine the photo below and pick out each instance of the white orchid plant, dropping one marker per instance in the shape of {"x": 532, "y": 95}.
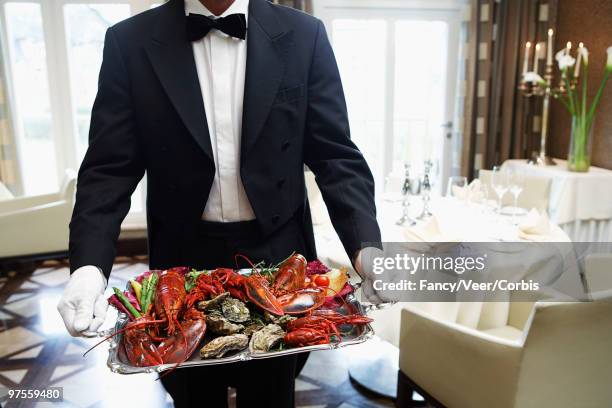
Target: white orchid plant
{"x": 575, "y": 100}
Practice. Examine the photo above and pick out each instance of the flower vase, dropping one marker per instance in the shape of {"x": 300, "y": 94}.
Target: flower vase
{"x": 579, "y": 156}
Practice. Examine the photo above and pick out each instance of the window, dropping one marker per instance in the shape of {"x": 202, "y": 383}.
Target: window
{"x": 420, "y": 89}
{"x": 32, "y": 107}
{"x": 86, "y": 25}
{"x": 363, "y": 77}
{"x": 53, "y": 50}
{"x": 393, "y": 59}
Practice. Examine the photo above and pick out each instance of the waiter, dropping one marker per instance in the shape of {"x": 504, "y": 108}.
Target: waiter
{"x": 221, "y": 103}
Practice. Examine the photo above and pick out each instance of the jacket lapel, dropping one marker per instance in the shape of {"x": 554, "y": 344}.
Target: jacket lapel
{"x": 171, "y": 55}
{"x": 267, "y": 44}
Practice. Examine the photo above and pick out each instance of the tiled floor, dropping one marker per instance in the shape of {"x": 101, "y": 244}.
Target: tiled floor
{"x": 35, "y": 351}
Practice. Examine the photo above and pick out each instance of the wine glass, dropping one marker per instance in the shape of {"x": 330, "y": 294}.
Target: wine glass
{"x": 454, "y": 184}
{"x": 516, "y": 181}
{"x": 499, "y": 183}
{"x": 480, "y": 198}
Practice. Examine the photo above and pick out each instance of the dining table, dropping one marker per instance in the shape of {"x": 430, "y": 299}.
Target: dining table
{"x": 374, "y": 365}
{"x": 579, "y": 202}
{"x": 461, "y": 220}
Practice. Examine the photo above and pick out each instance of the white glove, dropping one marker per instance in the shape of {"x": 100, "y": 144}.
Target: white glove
{"x": 83, "y": 305}
{"x": 366, "y": 274}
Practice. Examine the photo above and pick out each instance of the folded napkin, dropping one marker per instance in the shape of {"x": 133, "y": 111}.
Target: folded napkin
{"x": 535, "y": 227}
{"x": 429, "y": 231}
{"x": 472, "y": 192}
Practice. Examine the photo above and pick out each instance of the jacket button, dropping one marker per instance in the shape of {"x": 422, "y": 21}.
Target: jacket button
{"x": 275, "y": 218}
{"x": 280, "y": 183}
{"x": 285, "y": 145}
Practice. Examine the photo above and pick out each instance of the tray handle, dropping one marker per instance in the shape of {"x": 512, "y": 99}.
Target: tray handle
{"x": 96, "y": 334}
{"x": 367, "y": 308}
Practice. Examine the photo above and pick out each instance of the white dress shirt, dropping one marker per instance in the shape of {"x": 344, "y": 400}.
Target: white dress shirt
{"x": 221, "y": 64}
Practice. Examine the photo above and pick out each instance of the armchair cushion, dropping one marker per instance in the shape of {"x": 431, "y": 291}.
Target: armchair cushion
{"x": 506, "y": 332}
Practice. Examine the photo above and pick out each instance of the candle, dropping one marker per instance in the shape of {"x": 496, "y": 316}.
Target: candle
{"x": 549, "y": 47}
{"x": 526, "y": 60}
{"x": 568, "y": 47}
{"x": 536, "y": 58}
{"x": 578, "y": 60}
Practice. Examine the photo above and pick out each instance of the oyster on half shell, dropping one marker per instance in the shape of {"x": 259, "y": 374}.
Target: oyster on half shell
{"x": 253, "y": 326}
{"x": 213, "y": 303}
{"x": 235, "y": 310}
{"x": 220, "y": 346}
{"x": 266, "y": 338}
{"x": 280, "y": 320}
{"x": 216, "y": 323}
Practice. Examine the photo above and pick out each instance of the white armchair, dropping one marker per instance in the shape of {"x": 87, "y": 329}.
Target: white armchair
{"x": 38, "y": 225}
{"x": 547, "y": 355}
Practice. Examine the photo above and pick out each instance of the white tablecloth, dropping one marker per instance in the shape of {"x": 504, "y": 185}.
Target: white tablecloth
{"x": 581, "y": 203}
{"x": 461, "y": 222}
{"x": 469, "y": 223}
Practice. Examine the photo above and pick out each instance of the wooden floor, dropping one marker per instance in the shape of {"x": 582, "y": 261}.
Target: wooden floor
{"x": 36, "y": 351}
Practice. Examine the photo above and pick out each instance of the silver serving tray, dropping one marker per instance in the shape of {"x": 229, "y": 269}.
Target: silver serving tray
{"x": 118, "y": 362}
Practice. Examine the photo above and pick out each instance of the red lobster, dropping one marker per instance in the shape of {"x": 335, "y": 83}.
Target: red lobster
{"x": 178, "y": 347}
{"x": 184, "y": 330}
{"x": 140, "y": 348}
{"x": 291, "y": 289}
{"x": 170, "y": 296}
{"x": 291, "y": 275}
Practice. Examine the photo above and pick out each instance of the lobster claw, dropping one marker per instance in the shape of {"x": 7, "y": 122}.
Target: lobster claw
{"x": 140, "y": 349}
{"x": 177, "y": 348}
{"x": 259, "y": 293}
{"x": 302, "y": 300}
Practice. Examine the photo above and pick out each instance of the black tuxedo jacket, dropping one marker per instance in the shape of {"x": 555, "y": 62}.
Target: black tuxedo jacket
{"x": 149, "y": 116}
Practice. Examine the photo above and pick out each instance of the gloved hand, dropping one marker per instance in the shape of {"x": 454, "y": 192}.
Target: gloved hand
{"x": 83, "y": 305}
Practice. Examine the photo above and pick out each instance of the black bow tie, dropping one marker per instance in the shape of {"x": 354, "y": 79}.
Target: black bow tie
{"x": 233, "y": 25}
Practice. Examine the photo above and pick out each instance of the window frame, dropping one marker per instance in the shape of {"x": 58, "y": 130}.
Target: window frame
{"x": 63, "y": 118}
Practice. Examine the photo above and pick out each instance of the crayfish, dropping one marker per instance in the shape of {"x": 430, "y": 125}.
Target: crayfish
{"x": 317, "y": 327}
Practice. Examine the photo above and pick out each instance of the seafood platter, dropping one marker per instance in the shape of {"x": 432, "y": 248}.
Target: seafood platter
{"x": 181, "y": 317}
